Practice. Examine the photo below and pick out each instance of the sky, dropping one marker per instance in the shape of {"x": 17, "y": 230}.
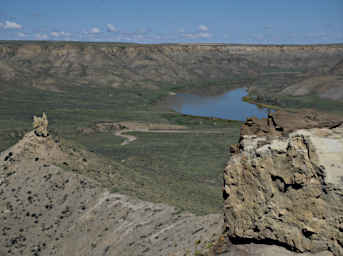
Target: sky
{"x": 152, "y": 21}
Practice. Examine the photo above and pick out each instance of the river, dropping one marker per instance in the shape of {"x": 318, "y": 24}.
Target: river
{"x": 229, "y": 105}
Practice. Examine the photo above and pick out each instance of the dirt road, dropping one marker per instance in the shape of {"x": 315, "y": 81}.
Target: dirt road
{"x": 131, "y": 138}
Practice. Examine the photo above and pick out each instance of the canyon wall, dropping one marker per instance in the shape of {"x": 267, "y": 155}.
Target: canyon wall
{"x": 53, "y": 65}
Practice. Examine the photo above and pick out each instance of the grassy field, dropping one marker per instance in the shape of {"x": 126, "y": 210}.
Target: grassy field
{"x": 184, "y": 170}
{"x": 313, "y": 101}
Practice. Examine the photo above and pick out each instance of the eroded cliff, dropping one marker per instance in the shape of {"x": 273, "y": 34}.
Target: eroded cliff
{"x": 285, "y": 187}
{"x": 54, "y": 65}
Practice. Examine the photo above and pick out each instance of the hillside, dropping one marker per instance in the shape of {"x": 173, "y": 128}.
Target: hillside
{"x": 327, "y": 86}
{"x": 53, "y": 65}
{"x": 47, "y": 210}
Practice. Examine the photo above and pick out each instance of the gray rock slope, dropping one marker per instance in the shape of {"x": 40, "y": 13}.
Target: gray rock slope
{"x": 45, "y": 210}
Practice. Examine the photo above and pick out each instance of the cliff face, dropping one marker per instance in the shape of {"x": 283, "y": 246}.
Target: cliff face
{"x": 52, "y": 65}
{"x": 286, "y": 189}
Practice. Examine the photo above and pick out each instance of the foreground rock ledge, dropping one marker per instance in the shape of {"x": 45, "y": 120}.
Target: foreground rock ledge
{"x": 287, "y": 190}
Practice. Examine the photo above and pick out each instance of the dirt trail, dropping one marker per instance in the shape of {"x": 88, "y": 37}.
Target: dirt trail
{"x": 128, "y": 138}
{"x": 131, "y": 138}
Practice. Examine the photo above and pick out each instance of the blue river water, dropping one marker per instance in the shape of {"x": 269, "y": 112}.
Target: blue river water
{"x": 227, "y": 106}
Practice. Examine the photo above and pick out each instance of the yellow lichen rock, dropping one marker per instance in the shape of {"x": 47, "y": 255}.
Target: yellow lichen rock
{"x": 40, "y": 125}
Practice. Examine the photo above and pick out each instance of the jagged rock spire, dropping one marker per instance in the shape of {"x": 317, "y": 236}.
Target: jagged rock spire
{"x": 40, "y": 125}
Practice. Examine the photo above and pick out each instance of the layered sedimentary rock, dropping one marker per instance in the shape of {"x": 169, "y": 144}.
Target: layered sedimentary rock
{"x": 61, "y": 64}
{"x": 286, "y": 187}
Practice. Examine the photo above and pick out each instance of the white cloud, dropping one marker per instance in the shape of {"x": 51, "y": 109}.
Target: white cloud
{"x": 59, "y": 34}
{"x": 111, "y": 28}
{"x": 181, "y": 30}
{"x": 21, "y": 34}
{"x": 94, "y": 30}
{"x": 11, "y": 25}
{"x": 42, "y": 36}
{"x": 203, "y": 28}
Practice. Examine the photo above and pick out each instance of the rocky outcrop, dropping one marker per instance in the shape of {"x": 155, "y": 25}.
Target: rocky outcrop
{"x": 40, "y": 125}
{"x": 284, "y": 187}
{"x": 281, "y": 123}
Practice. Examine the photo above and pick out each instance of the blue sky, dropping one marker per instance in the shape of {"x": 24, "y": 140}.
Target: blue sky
{"x": 152, "y": 21}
